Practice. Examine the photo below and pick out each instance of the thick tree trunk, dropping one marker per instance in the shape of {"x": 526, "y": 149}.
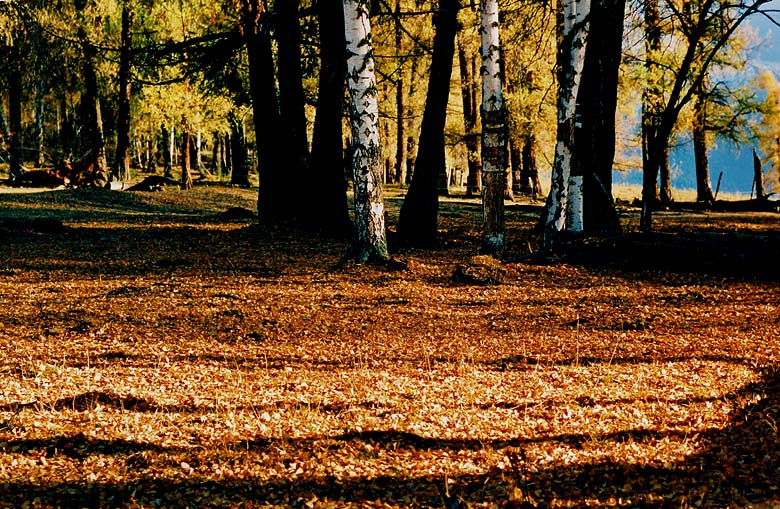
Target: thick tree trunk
{"x": 530, "y": 170}
{"x": 328, "y": 206}
{"x": 665, "y": 179}
{"x": 122, "y": 159}
{"x": 291, "y": 96}
{"x": 494, "y": 133}
{"x": 594, "y": 134}
{"x": 418, "y": 219}
{"x": 371, "y": 241}
{"x": 275, "y": 201}
{"x": 561, "y": 214}
{"x": 468, "y": 90}
{"x": 186, "y": 147}
{"x": 238, "y": 151}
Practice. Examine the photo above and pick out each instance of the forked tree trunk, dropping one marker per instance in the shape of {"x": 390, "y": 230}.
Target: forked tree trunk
{"x": 418, "y": 219}
{"x": 494, "y": 133}
{"x": 564, "y": 211}
{"x": 468, "y": 91}
{"x": 371, "y": 241}
{"x": 122, "y": 159}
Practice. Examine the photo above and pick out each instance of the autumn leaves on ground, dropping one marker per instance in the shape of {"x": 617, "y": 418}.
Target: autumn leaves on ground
{"x": 161, "y": 350}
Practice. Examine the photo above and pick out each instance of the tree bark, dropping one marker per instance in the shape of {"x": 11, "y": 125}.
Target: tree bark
{"x": 274, "y": 200}
{"x": 468, "y": 90}
{"x": 16, "y": 168}
{"x": 561, "y": 214}
{"x": 94, "y": 143}
{"x": 371, "y": 241}
{"x": 594, "y": 133}
{"x": 186, "y": 147}
{"x": 758, "y": 177}
{"x": 703, "y": 186}
{"x": 292, "y": 99}
{"x": 494, "y": 133}
{"x": 40, "y": 109}
{"x": 238, "y": 151}
{"x": 166, "y": 143}
{"x": 530, "y": 171}
{"x": 328, "y": 206}
{"x": 400, "y": 132}
{"x": 418, "y": 219}
{"x": 122, "y": 158}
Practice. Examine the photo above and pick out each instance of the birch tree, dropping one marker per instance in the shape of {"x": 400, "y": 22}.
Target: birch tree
{"x": 564, "y": 210}
{"x": 494, "y": 133}
{"x": 371, "y": 241}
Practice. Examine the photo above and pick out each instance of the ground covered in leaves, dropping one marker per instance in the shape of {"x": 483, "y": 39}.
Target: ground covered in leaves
{"x": 161, "y": 350}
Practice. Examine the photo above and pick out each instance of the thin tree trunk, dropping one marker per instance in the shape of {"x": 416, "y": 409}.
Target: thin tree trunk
{"x": 531, "y": 173}
{"x": 5, "y": 130}
{"x": 167, "y": 144}
{"x": 216, "y": 151}
{"x": 418, "y": 219}
{"x": 122, "y": 158}
{"x": 468, "y": 90}
{"x": 186, "y": 147}
{"x": 494, "y": 133}
{"x": 703, "y": 186}
{"x": 371, "y": 242}
{"x": 400, "y": 132}
{"x": 40, "y": 109}
{"x": 411, "y": 143}
{"x": 758, "y": 177}
{"x": 15, "y": 111}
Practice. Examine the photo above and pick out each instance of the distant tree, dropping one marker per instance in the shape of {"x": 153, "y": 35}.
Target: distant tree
{"x": 371, "y": 241}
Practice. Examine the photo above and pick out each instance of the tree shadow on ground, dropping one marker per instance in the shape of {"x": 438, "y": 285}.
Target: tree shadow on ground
{"x": 738, "y": 466}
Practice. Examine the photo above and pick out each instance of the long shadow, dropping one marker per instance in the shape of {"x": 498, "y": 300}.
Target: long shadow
{"x": 738, "y": 465}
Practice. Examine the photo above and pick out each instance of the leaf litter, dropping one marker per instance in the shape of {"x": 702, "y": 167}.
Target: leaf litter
{"x": 155, "y": 354}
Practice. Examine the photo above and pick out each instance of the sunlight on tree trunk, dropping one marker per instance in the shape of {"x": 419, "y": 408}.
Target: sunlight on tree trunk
{"x": 573, "y": 23}
{"x": 494, "y": 133}
{"x": 371, "y": 242}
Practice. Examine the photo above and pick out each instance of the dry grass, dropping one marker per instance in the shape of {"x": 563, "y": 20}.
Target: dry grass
{"x": 155, "y": 354}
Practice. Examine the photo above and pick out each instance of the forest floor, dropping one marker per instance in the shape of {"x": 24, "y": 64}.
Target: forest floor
{"x": 159, "y": 351}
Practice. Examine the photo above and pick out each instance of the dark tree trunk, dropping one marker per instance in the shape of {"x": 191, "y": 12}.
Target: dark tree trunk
{"x": 122, "y": 158}
{"x": 530, "y": 171}
{"x": 594, "y": 134}
{"x": 40, "y": 109}
{"x": 5, "y": 130}
{"x": 15, "y": 111}
{"x": 216, "y": 154}
{"x": 186, "y": 147}
{"x": 227, "y": 160}
{"x": 758, "y": 177}
{"x": 291, "y": 96}
{"x": 66, "y": 131}
{"x": 274, "y": 199}
{"x": 703, "y": 186}
{"x": 410, "y": 153}
{"x": 238, "y": 151}
{"x": 665, "y": 178}
{"x": 327, "y": 207}
{"x": 652, "y": 105}
{"x": 468, "y": 89}
{"x": 94, "y": 143}
{"x": 418, "y": 220}
{"x": 166, "y": 144}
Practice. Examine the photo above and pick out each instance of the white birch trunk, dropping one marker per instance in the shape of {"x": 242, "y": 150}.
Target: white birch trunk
{"x": 494, "y": 150}
{"x": 367, "y": 166}
{"x": 571, "y": 55}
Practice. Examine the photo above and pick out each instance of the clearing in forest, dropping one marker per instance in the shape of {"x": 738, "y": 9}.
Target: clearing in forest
{"x": 160, "y": 352}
